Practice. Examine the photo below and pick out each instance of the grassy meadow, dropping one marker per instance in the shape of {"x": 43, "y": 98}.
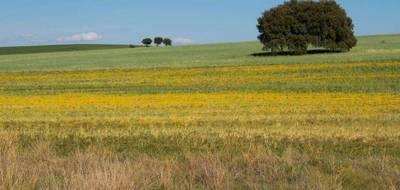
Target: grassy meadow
{"x": 201, "y": 117}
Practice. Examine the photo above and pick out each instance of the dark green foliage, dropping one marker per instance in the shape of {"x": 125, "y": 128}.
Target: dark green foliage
{"x": 147, "y": 41}
{"x": 56, "y": 48}
{"x": 167, "y": 42}
{"x": 158, "y": 41}
{"x": 135, "y": 46}
{"x": 296, "y": 25}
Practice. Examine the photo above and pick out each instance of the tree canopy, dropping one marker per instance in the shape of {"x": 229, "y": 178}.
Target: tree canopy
{"x": 147, "y": 41}
{"x": 295, "y": 25}
{"x": 158, "y": 41}
{"x": 167, "y": 42}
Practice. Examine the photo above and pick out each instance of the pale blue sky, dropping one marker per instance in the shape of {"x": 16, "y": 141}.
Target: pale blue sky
{"x": 28, "y": 22}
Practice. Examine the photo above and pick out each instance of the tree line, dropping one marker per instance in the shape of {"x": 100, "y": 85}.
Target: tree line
{"x": 157, "y": 41}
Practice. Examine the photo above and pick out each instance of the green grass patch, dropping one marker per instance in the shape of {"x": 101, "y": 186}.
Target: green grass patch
{"x": 371, "y": 49}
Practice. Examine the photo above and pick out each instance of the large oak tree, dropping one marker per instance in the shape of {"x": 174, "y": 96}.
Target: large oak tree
{"x": 295, "y": 25}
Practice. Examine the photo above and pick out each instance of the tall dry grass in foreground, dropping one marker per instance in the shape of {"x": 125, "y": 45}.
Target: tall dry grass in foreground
{"x": 39, "y": 167}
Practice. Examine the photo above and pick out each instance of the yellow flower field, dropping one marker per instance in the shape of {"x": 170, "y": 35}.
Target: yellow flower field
{"x": 197, "y": 106}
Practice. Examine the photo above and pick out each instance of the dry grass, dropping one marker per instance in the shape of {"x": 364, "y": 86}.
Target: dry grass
{"x": 39, "y": 167}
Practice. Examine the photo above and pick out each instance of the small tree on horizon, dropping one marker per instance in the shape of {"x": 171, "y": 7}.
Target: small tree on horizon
{"x": 147, "y": 42}
{"x": 296, "y": 25}
{"x": 158, "y": 41}
{"x": 167, "y": 42}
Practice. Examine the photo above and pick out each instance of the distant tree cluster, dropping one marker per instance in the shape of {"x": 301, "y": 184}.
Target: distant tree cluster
{"x": 296, "y": 25}
{"x": 157, "y": 41}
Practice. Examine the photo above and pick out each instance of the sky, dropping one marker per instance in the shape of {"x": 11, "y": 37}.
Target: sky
{"x": 36, "y": 22}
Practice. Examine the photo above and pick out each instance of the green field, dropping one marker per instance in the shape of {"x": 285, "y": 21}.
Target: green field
{"x": 370, "y": 49}
{"x": 201, "y": 117}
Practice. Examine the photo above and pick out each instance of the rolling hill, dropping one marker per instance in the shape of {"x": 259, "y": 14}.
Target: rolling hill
{"x": 370, "y": 49}
{"x": 56, "y": 48}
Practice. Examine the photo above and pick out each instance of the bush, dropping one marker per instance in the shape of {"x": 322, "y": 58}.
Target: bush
{"x": 296, "y": 25}
{"x": 136, "y": 46}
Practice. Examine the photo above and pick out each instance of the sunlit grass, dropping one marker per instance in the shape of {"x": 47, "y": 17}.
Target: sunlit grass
{"x": 208, "y": 120}
{"x": 370, "y": 49}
